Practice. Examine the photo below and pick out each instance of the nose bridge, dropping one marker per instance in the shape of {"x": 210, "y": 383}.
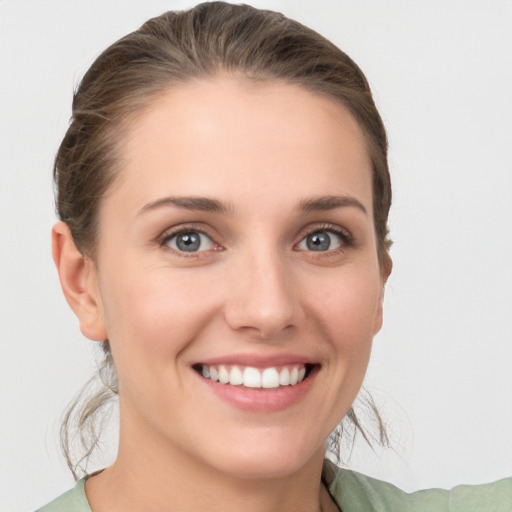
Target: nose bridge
{"x": 262, "y": 300}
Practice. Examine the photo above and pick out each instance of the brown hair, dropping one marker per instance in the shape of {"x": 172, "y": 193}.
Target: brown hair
{"x": 172, "y": 49}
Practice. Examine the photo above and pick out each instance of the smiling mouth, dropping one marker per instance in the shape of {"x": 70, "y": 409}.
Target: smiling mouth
{"x": 273, "y": 377}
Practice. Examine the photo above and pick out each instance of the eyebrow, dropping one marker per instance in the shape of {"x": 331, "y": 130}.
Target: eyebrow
{"x": 326, "y": 203}
{"x": 203, "y": 204}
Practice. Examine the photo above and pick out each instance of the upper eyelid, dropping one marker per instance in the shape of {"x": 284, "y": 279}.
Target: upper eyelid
{"x": 184, "y": 231}
{"x": 176, "y": 230}
{"x": 324, "y": 226}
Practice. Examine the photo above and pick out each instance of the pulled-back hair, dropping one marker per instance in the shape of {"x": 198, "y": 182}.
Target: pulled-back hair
{"x": 173, "y": 49}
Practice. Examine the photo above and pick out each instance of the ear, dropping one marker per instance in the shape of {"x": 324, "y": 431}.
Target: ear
{"x": 79, "y": 281}
{"x": 386, "y": 267}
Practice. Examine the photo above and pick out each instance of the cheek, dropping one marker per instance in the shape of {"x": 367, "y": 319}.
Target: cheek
{"x": 348, "y": 310}
{"x": 350, "y": 306}
{"x": 150, "y": 317}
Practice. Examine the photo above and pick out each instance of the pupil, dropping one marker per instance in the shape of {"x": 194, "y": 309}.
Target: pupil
{"x": 188, "y": 242}
{"x": 319, "y": 241}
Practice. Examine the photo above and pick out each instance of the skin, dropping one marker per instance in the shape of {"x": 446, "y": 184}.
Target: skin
{"x": 261, "y": 149}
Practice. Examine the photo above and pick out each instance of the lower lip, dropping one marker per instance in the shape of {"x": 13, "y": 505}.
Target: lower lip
{"x": 261, "y": 399}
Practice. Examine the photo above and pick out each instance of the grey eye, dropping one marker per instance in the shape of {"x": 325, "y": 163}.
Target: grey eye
{"x": 319, "y": 241}
{"x": 190, "y": 241}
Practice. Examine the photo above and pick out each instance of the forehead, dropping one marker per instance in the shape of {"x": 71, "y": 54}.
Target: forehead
{"x": 236, "y": 137}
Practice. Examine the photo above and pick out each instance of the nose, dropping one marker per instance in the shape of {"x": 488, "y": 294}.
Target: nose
{"x": 262, "y": 300}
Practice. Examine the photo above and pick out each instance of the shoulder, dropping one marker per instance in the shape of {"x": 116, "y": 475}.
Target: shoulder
{"x": 355, "y": 492}
{"x": 72, "y": 501}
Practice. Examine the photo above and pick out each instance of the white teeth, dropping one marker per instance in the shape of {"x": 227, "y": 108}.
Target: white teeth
{"x": 253, "y": 377}
{"x": 235, "y": 377}
{"x": 270, "y": 378}
{"x": 223, "y": 375}
{"x": 284, "y": 377}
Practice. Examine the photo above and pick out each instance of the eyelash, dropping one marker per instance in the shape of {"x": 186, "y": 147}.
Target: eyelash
{"x": 182, "y": 230}
{"x": 347, "y": 241}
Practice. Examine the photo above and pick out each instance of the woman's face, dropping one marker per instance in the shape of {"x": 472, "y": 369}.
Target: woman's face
{"x": 238, "y": 244}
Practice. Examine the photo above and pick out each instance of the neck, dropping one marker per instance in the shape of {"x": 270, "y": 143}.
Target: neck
{"x": 153, "y": 476}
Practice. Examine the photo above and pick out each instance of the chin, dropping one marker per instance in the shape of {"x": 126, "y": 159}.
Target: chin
{"x": 268, "y": 458}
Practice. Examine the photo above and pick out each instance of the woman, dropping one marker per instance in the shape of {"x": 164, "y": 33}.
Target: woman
{"x": 223, "y": 194}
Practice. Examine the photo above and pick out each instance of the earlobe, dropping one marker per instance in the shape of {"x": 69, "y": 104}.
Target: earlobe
{"x": 78, "y": 279}
{"x": 386, "y": 268}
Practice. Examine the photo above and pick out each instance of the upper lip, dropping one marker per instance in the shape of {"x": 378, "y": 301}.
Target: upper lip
{"x": 257, "y": 360}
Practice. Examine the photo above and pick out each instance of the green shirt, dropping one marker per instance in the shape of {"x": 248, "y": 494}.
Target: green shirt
{"x": 358, "y": 493}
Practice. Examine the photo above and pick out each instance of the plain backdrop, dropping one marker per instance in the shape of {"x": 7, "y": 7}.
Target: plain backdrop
{"x": 441, "y": 72}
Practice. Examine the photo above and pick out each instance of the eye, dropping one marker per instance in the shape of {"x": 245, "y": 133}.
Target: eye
{"x": 322, "y": 240}
{"x": 190, "y": 241}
